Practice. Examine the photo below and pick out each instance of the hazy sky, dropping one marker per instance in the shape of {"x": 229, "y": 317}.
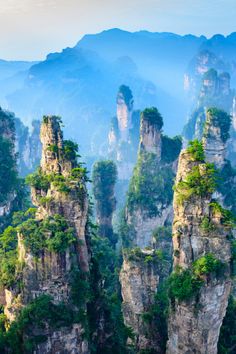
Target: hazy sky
{"x": 29, "y": 29}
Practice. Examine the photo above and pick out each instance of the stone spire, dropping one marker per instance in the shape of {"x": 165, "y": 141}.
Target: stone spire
{"x": 202, "y": 254}
{"x": 234, "y": 114}
{"x": 124, "y": 111}
{"x": 216, "y": 134}
{"x": 150, "y": 132}
{"x": 52, "y": 144}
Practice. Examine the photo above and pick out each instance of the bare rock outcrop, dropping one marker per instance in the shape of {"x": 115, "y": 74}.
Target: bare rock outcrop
{"x": 53, "y": 247}
{"x": 147, "y": 235}
{"x": 202, "y": 255}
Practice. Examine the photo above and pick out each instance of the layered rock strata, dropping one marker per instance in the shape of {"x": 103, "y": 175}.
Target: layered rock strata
{"x": 146, "y": 236}
{"x": 200, "y": 239}
{"x": 59, "y": 193}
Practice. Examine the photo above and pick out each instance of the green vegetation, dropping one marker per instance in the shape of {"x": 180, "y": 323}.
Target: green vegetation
{"x": 9, "y": 182}
{"x": 137, "y": 255}
{"x": 104, "y": 177}
{"x": 106, "y": 298}
{"x": 170, "y": 148}
{"x": 150, "y": 185}
{"x": 226, "y": 185}
{"x": 126, "y": 92}
{"x": 70, "y": 150}
{"x": 227, "y": 217}
{"x": 211, "y": 74}
{"x": 196, "y": 121}
{"x": 38, "y": 180}
{"x": 126, "y": 230}
{"x": 53, "y": 148}
{"x": 8, "y": 256}
{"x": 22, "y": 337}
{"x": 195, "y": 149}
{"x": 201, "y": 181}
{"x": 207, "y": 225}
{"x": 207, "y": 264}
{"x": 227, "y": 340}
{"x": 56, "y": 118}
{"x": 157, "y": 314}
{"x": 218, "y": 118}
{"x": 184, "y": 284}
{"x": 52, "y": 233}
{"x": 153, "y": 116}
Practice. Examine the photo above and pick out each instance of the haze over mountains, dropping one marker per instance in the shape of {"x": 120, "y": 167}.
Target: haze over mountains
{"x": 81, "y": 83}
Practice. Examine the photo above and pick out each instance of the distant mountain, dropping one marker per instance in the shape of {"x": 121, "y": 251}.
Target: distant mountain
{"x": 12, "y": 76}
{"x": 80, "y": 83}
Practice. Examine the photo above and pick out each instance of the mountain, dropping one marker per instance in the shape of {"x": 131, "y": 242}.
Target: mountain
{"x": 12, "y": 75}
{"x": 80, "y": 83}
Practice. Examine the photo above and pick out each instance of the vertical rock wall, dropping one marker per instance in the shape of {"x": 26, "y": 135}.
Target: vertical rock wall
{"x": 147, "y": 237}
{"x": 198, "y": 230}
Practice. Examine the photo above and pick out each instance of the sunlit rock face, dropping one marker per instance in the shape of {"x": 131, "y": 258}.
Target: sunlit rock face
{"x": 52, "y": 271}
{"x": 148, "y": 230}
{"x": 194, "y": 323}
{"x": 150, "y": 136}
{"x": 215, "y": 137}
{"x": 124, "y": 112}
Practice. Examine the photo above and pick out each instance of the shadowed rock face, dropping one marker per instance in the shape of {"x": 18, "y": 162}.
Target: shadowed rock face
{"x": 150, "y": 137}
{"x": 142, "y": 272}
{"x": 51, "y": 272}
{"x": 194, "y": 323}
{"x": 213, "y": 140}
{"x": 124, "y": 112}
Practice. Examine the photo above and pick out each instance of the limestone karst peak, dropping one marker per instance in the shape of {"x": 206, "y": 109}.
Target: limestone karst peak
{"x": 150, "y": 131}
{"x": 124, "y": 111}
{"x": 216, "y": 134}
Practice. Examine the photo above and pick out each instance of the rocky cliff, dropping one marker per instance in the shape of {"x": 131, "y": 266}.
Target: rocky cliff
{"x": 123, "y": 139}
{"x": 214, "y": 91}
{"x": 104, "y": 178}
{"x": 201, "y": 283}
{"x": 146, "y": 230}
{"x": 28, "y": 146}
{"x": 10, "y": 186}
{"x": 52, "y": 253}
{"x": 216, "y": 134}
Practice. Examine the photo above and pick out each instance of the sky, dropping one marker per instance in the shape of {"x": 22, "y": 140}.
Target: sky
{"x": 30, "y": 29}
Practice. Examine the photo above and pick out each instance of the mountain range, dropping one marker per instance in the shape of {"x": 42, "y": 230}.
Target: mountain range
{"x": 81, "y": 83}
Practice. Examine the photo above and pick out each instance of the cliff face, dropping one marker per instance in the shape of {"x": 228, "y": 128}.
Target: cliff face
{"x": 216, "y": 134}
{"x": 198, "y": 67}
{"x": 29, "y": 148}
{"x": 104, "y": 179}
{"x": 214, "y": 91}
{"x": 123, "y": 139}
{"x": 53, "y": 247}
{"x": 124, "y": 112}
{"x": 8, "y": 174}
{"x": 146, "y": 235}
{"x": 202, "y": 255}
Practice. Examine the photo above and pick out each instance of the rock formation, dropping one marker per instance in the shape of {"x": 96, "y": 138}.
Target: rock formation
{"x": 145, "y": 231}
{"x": 104, "y": 179}
{"x": 200, "y": 284}
{"x": 214, "y": 91}
{"x": 28, "y": 146}
{"x": 198, "y": 67}
{"x": 124, "y": 111}
{"x": 9, "y": 183}
{"x": 53, "y": 251}
{"x": 123, "y": 139}
{"x": 216, "y": 134}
